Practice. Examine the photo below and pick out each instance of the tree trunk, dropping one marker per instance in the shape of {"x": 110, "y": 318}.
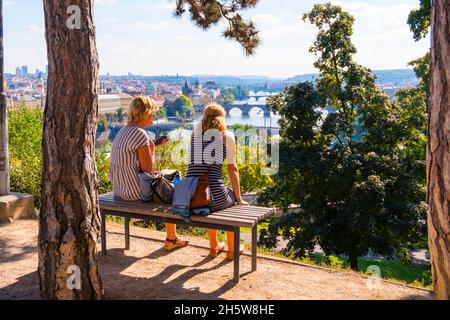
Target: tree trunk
{"x": 69, "y": 219}
{"x": 353, "y": 260}
{"x": 4, "y": 162}
{"x": 438, "y": 149}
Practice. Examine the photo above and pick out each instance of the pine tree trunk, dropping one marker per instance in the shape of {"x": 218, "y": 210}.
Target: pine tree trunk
{"x": 69, "y": 219}
{"x": 4, "y": 161}
{"x": 438, "y": 150}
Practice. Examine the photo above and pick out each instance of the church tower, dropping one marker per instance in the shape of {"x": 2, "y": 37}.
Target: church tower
{"x": 187, "y": 91}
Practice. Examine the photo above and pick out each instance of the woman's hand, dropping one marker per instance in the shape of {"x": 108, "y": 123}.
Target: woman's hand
{"x": 242, "y": 202}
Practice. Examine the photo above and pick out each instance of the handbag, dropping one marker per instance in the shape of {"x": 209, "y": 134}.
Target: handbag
{"x": 202, "y": 195}
{"x": 163, "y": 188}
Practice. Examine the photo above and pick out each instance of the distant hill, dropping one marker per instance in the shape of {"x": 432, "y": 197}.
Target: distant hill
{"x": 387, "y": 78}
{"x": 394, "y": 78}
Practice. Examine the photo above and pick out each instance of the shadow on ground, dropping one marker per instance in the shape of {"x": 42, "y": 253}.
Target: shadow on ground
{"x": 170, "y": 283}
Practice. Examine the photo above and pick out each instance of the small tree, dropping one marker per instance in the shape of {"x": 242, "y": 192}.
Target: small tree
{"x": 182, "y": 106}
{"x": 354, "y": 171}
{"x": 102, "y": 124}
{"x": 119, "y": 115}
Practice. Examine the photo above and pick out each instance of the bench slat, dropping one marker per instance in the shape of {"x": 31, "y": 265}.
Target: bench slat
{"x": 147, "y": 206}
{"x": 236, "y": 209}
{"x": 235, "y": 222}
{"x": 240, "y": 214}
{"x": 220, "y": 214}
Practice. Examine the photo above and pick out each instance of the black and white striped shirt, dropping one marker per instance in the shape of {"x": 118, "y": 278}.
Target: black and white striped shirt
{"x": 202, "y": 158}
{"x": 125, "y": 167}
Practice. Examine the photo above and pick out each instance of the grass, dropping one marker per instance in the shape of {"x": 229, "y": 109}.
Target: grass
{"x": 263, "y": 224}
{"x": 394, "y": 271}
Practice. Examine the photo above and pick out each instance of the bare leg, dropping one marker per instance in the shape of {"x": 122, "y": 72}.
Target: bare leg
{"x": 213, "y": 242}
{"x": 215, "y": 246}
{"x": 230, "y": 241}
{"x": 171, "y": 231}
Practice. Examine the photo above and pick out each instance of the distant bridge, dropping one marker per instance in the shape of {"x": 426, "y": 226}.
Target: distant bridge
{"x": 258, "y": 95}
{"x": 246, "y": 107}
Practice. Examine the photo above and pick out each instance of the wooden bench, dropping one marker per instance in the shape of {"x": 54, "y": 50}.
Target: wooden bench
{"x": 231, "y": 219}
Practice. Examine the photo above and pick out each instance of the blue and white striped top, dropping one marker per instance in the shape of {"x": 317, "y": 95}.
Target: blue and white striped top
{"x": 202, "y": 158}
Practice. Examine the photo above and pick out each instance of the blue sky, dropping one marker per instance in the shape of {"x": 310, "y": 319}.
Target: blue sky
{"x": 142, "y": 36}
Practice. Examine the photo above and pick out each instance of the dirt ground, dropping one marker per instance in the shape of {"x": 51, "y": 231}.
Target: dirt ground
{"x": 148, "y": 272}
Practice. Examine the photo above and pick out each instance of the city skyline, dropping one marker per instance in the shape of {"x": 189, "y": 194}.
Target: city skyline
{"x": 155, "y": 43}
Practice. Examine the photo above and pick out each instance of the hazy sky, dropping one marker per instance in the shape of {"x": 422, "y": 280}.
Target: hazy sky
{"x": 142, "y": 37}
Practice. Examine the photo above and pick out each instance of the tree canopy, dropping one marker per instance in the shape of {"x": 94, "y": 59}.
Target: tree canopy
{"x": 419, "y": 20}
{"x": 350, "y": 158}
{"x": 205, "y": 13}
{"x": 181, "y": 106}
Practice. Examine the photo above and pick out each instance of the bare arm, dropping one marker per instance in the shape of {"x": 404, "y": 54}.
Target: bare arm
{"x": 146, "y": 155}
{"x": 233, "y": 171}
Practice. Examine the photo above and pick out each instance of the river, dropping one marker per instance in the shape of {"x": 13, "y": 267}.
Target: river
{"x": 254, "y": 118}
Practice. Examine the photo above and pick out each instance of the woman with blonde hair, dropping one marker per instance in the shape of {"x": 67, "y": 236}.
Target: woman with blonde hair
{"x": 211, "y": 144}
{"x": 132, "y": 152}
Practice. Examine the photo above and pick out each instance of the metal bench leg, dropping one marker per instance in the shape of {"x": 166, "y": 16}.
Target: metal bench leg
{"x": 103, "y": 233}
{"x": 254, "y": 246}
{"x": 237, "y": 242}
{"x": 127, "y": 233}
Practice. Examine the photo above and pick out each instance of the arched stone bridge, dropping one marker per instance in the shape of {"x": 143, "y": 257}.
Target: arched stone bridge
{"x": 261, "y": 96}
{"x": 247, "y": 107}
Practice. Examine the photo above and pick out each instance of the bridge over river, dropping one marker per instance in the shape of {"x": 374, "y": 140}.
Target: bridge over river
{"x": 164, "y": 128}
{"x": 247, "y": 106}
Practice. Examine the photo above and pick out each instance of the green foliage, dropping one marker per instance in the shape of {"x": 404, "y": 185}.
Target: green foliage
{"x": 358, "y": 174}
{"x": 419, "y": 20}
{"x": 182, "y": 106}
{"x": 162, "y": 113}
{"x": 25, "y": 151}
{"x": 103, "y": 163}
{"x": 175, "y": 155}
{"x": 208, "y": 13}
{"x": 231, "y": 93}
{"x": 240, "y": 126}
{"x": 250, "y": 176}
{"x": 102, "y": 124}
{"x": 119, "y": 115}
{"x": 226, "y": 98}
{"x": 240, "y": 92}
{"x": 422, "y": 70}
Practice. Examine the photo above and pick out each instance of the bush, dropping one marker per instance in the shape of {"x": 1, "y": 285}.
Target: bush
{"x": 103, "y": 163}
{"x": 25, "y": 151}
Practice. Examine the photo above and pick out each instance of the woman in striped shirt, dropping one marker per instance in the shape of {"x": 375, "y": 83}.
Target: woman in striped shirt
{"x": 211, "y": 144}
{"x": 132, "y": 152}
